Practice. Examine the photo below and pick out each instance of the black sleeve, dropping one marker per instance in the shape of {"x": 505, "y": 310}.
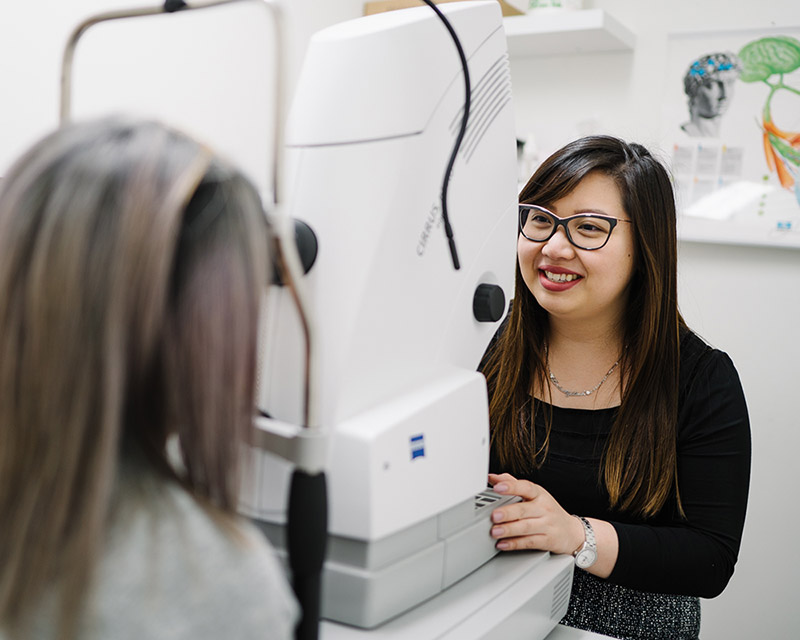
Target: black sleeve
{"x": 696, "y": 556}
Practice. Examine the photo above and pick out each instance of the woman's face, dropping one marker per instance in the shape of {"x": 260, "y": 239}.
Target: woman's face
{"x": 577, "y": 284}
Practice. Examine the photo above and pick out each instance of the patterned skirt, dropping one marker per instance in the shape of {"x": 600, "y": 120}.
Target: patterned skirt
{"x": 598, "y": 606}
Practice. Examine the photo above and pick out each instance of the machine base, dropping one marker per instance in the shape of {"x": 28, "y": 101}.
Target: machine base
{"x": 513, "y": 596}
{"x": 365, "y": 584}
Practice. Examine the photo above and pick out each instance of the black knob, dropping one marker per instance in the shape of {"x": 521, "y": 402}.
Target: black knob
{"x": 306, "y": 241}
{"x": 307, "y": 246}
{"x": 489, "y": 303}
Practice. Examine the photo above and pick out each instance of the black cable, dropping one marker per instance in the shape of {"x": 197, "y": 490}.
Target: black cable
{"x": 467, "y": 101}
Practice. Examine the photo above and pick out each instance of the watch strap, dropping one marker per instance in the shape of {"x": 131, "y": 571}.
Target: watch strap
{"x": 588, "y": 533}
{"x": 589, "y": 542}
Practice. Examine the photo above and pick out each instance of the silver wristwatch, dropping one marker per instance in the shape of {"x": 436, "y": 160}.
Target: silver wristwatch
{"x": 586, "y": 556}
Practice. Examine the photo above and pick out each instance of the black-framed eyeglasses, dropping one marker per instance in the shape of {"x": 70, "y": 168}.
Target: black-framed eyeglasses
{"x": 589, "y": 231}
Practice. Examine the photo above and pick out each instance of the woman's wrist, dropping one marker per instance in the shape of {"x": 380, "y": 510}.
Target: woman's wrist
{"x": 607, "y": 548}
{"x": 579, "y": 535}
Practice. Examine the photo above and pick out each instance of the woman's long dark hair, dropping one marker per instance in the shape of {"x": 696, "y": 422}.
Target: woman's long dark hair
{"x": 640, "y": 461}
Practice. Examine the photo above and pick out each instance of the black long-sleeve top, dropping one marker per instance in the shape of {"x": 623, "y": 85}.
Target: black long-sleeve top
{"x": 694, "y": 556}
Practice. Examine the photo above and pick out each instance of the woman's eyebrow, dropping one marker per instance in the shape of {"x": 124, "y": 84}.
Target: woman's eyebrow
{"x": 580, "y": 210}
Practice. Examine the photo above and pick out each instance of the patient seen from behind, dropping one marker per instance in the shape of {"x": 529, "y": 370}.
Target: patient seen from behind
{"x": 131, "y": 265}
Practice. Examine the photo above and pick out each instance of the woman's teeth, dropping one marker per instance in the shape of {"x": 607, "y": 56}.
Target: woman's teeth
{"x": 560, "y": 277}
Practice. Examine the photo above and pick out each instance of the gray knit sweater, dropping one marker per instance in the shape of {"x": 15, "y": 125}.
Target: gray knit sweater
{"x": 172, "y": 572}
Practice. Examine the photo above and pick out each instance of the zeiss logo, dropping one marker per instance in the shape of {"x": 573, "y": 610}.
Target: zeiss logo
{"x": 417, "y": 445}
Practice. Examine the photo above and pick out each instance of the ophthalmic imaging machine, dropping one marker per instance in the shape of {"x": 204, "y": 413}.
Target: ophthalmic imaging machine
{"x": 404, "y": 178}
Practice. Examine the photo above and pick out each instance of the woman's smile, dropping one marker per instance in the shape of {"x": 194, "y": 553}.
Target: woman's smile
{"x": 558, "y": 279}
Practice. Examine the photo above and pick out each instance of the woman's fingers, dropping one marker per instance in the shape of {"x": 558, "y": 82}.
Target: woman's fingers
{"x": 528, "y": 533}
{"x": 522, "y": 543}
{"x": 516, "y": 528}
{"x": 537, "y": 522}
{"x": 506, "y": 484}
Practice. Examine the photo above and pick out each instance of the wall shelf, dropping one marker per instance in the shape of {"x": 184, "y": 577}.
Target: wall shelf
{"x": 548, "y": 33}
{"x": 755, "y": 234}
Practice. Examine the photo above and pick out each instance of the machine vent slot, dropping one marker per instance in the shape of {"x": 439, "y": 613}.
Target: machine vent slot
{"x": 561, "y": 593}
{"x": 489, "y": 96}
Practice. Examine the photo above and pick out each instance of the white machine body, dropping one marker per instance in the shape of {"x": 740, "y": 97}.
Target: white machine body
{"x": 375, "y": 118}
{"x": 397, "y": 342}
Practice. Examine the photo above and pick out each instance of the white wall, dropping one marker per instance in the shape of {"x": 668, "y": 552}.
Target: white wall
{"x": 744, "y": 300}
{"x": 210, "y": 71}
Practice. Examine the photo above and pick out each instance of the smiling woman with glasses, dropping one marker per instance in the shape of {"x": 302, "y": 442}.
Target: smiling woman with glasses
{"x": 626, "y": 436}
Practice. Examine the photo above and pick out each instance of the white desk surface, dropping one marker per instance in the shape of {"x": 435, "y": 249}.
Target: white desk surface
{"x": 506, "y": 582}
{"x": 568, "y": 633}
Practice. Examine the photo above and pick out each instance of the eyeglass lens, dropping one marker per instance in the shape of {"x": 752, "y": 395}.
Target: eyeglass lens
{"x": 585, "y": 232}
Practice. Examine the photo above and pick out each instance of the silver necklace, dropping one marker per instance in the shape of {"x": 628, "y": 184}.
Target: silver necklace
{"x": 586, "y": 392}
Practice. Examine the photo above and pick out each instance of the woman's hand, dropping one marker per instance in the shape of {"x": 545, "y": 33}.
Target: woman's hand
{"x": 538, "y": 522}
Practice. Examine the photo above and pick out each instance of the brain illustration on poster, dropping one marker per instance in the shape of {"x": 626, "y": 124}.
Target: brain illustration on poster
{"x": 731, "y": 129}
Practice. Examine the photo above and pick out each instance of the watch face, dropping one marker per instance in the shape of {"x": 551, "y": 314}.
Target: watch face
{"x": 585, "y": 558}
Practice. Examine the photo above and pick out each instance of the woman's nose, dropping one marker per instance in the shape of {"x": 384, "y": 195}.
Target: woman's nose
{"x": 558, "y": 246}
